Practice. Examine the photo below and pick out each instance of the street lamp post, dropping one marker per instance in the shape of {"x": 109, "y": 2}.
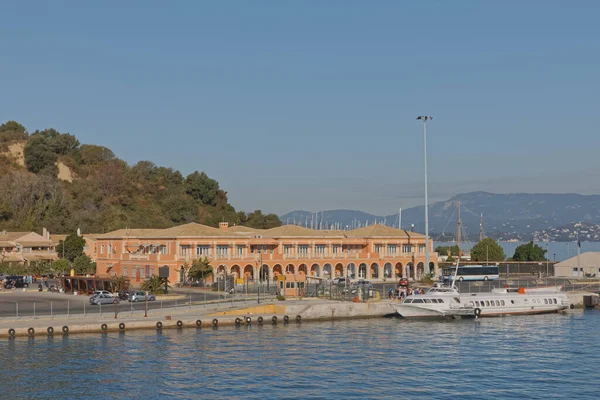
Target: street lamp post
{"x": 425, "y": 118}
{"x": 547, "y": 259}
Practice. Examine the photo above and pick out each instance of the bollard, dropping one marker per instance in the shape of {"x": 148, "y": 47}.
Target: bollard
{"x": 84, "y": 313}
{"x": 100, "y": 309}
{"x": 17, "y": 310}
{"x": 176, "y": 304}
{"x": 34, "y": 309}
{"x": 131, "y": 307}
{"x": 51, "y": 309}
{"x": 68, "y": 308}
{"x": 161, "y": 304}
{"x": 190, "y": 301}
{"x": 204, "y": 300}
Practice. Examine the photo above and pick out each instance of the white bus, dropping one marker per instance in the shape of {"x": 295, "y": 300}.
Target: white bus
{"x": 472, "y": 273}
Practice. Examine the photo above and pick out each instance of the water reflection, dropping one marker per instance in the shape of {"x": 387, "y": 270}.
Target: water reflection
{"x": 535, "y": 357}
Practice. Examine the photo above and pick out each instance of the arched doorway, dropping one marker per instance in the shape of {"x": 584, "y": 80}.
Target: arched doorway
{"x": 221, "y": 270}
{"x": 315, "y": 270}
{"x": 351, "y": 270}
{"x": 249, "y": 273}
{"x": 374, "y": 271}
{"x": 303, "y": 269}
{"x": 399, "y": 270}
{"x": 339, "y": 270}
{"x": 235, "y": 271}
{"x": 290, "y": 269}
{"x": 420, "y": 270}
{"x": 410, "y": 273}
{"x": 327, "y": 271}
{"x": 264, "y": 273}
{"x": 387, "y": 270}
{"x": 431, "y": 267}
{"x": 277, "y": 270}
{"x": 362, "y": 271}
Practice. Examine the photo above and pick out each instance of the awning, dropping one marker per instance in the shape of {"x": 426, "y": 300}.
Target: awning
{"x": 109, "y": 268}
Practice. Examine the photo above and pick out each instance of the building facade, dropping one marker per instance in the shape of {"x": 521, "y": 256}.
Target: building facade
{"x": 374, "y": 253}
{"x": 26, "y": 248}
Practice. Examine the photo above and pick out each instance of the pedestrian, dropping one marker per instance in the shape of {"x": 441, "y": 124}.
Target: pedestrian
{"x": 391, "y": 293}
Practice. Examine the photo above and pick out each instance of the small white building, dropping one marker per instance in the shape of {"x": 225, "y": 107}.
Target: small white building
{"x": 585, "y": 265}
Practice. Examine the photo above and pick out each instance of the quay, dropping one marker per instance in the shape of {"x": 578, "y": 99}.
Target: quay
{"x": 211, "y": 315}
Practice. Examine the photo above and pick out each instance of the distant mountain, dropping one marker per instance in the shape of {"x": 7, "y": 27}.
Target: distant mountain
{"x": 505, "y": 216}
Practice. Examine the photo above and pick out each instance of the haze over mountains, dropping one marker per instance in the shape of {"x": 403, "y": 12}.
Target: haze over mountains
{"x": 521, "y": 216}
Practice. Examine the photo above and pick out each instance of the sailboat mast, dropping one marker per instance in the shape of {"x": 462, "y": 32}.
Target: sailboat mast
{"x": 481, "y": 227}
{"x": 400, "y": 218}
{"x": 458, "y": 227}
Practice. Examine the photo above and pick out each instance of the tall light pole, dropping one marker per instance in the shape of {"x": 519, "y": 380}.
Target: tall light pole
{"x": 425, "y": 118}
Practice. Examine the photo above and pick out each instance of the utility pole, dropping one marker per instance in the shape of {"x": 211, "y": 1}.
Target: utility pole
{"x": 481, "y": 227}
{"x": 425, "y": 118}
{"x": 458, "y": 226}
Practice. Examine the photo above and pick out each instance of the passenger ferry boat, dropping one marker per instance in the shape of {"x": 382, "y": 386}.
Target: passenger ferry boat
{"x": 445, "y": 301}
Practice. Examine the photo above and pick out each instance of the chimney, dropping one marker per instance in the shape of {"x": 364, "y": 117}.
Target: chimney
{"x": 223, "y": 226}
{"x": 45, "y": 233}
{"x": 78, "y": 231}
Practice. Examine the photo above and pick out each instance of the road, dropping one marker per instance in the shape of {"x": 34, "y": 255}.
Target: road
{"x": 18, "y": 303}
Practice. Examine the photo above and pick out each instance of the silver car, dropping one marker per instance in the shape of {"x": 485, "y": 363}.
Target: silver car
{"x": 104, "y": 299}
{"x": 141, "y": 296}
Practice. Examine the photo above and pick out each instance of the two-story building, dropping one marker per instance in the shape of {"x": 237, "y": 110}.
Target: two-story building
{"x": 26, "y": 247}
{"x": 375, "y": 252}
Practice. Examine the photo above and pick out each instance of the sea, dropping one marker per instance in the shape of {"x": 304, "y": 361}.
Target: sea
{"x": 558, "y": 251}
{"x": 554, "y": 356}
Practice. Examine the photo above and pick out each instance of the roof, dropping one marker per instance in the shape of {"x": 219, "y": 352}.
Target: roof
{"x": 382, "y": 231}
{"x": 12, "y": 236}
{"x": 191, "y": 230}
{"x": 587, "y": 259}
{"x": 125, "y": 233}
{"x": 6, "y": 244}
{"x": 244, "y": 229}
{"x": 298, "y": 231}
{"x": 38, "y": 256}
{"x": 38, "y": 243}
{"x": 57, "y": 238}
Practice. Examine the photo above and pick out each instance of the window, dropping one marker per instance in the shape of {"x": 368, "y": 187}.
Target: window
{"x": 303, "y": 249}
{"x": 378, "y": 248}
{"x": 142, "y": 273}
{"x": 440, "y": 301}
{"x": 392, "y": 249}
{"x": 336, "y": 248}
{"x": 102, "y": 249}
{"x": 320, "y": 249}
{"x": 222, "y": 250}
{"x": 240, "y": 250}
{"x": 421, "y": 248}
{"x": 417, "y": 300}
{"x": 545, "y": 301}
{"x": 301, "y": 285}
{"x": 163, "y": 250}
{"x": 434, "y": 300}
{"x": 407, "y": 248}
{"x": 202, "y": 250}
{"x": 554, "y": 301}
{"x": 185, "y": 249}
{"x": 124, "y": 271}
{"x": 408, "y": 301}
{"x": 477, "y": 303}
{"x": 512, "y": 302}
{"x": 110, "y": 249}
{"x": 487, "y": 303}
{"x": 427, "y": 300}
{"x": 502, "y": 302}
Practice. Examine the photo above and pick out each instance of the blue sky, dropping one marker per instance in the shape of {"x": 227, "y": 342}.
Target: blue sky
{"x": 312, "y": 105}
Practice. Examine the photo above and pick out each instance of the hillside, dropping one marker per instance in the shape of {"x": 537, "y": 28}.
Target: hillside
{"x": 49, "y": 179}
{"x": 505, "y": 216}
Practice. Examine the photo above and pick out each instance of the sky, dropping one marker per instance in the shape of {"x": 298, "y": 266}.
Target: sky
{"x": 311, "y": 104}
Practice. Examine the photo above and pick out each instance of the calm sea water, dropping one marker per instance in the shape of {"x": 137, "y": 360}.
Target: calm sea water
{"x": 533, "y": 357}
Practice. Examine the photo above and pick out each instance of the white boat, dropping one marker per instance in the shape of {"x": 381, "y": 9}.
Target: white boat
{"x": 446, "y": 301}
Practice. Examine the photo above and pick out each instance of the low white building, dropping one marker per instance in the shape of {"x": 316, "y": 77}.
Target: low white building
{"x": 585, "y": 265}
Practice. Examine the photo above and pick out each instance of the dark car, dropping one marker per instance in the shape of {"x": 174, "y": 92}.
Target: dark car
{"x": 17, "y": 281}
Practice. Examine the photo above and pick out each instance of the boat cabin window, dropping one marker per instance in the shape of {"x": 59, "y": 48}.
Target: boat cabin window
{"x": 554, "y": 300}
{"x": 440, "y": 301}
{"x": 502, "y": 302}
{"x": 487, "y": 303}
{"x": 427, "y": 300}
{"x": 434, "y": 300}
{"x": 408, "y": 301}
{"x": 477, "y": 303}
{"x": 545, "y": 301}
{"x": 512, "y": 301}
{"x": 497, "y": 303}
{"x": 417, "y": 301}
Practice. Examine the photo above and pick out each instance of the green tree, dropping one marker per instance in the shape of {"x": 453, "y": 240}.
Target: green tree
{"x": 121, "y": 283}
{"x": 39, "y": 268}
{"x": 258, "y": 220}
{"x": 443, "y": 250}
{"x": 64, "y": 143}
{"x": 529, "y": 252}
{"x": 62, "y": 266}
{"x": 487, "y": 250}
{"x": 71, "y": 247}
{"x": 200, "y": 270}
{"x": 90, "y": 154}
{"x": 40, "y": 156}
{"x": 200, "y": 187}
{"x": 83, "y": 265}
{"x": 12, "y": 130}
{"x": 155, "y": 285}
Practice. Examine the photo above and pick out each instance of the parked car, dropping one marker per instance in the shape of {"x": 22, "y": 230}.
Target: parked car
{"x": 141, "y": 296}
{"x": 97, "y": 292}
{"x": 103, "y": 299}
{"x": 17, "y": 281}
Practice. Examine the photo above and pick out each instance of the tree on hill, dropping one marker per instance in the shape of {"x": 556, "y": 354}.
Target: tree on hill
{"x": 487, "y": 250}
{"x": 200, "y": 187}
{"x": 258, "y": 220}
{"x": 71, "y": 247}
{"x": 529, "y": 252}
{"x": 40, "y": 156}
{"x": 12, "y": 130}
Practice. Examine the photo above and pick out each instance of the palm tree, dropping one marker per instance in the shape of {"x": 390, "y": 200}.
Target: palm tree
{"x": 200, "y": 270}
{"x": 155, "y": 285}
